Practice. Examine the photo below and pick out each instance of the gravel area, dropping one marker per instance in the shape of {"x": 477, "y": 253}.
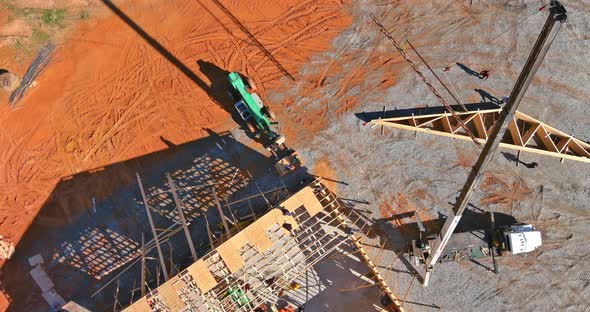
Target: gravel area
{"x": 423, "y": 172}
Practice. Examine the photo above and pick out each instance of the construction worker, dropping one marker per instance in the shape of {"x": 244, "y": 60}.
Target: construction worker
{"x": 286, "y": 212}
{"x": 484, "y": 74}
{"x": 270, "y": 281}
{"x": 294, "y": 286}
{"x": 287, "y": 309}
{"x": 261, "y": 308}
{"x": 288, "y": 226}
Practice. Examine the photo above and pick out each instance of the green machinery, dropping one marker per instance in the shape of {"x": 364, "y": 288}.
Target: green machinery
{"x": 256, "y": 116}
{"x": 238, "y": 296}
{"x": 251, "y": 109}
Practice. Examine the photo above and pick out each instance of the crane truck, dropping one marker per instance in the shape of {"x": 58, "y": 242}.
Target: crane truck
{"x": 431, "y": 254}
{"x": 511, "y": 239}
{"x": 257, "y": 117}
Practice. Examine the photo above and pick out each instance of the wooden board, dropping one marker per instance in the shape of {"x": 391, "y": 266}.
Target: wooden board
{"x": 230, "y": 252}
{"x": 201, "y": 275}
{"x": 483, "y": 121}
{"x": 168, "y": 294}
{"x": 140, "y": 305}
{"x": 305, "y": 198}
{"x": 256, "y": 232}
{"x": 310, "y": 201}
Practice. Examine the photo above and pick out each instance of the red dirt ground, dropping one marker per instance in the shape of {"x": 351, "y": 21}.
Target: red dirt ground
{"x": 400, "y": 205}
{"x": 503, "y": 193}
{"x": 113, "y": 93}
{"x": 324, "y": 169}
{"x": 336, "y": 76}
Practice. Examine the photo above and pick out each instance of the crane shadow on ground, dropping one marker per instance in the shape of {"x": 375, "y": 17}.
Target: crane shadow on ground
{"x": 155, "y": 44}
{"x": 398, "y": 231}
{"x": 217, "y": 90}
{"x": 244, "y": 30}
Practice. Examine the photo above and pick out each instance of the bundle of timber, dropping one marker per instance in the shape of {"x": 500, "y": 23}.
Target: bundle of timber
{"x": 37, "y": 66}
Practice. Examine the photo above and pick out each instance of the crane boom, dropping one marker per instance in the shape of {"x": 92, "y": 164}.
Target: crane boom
{"x": 557, "y": 15}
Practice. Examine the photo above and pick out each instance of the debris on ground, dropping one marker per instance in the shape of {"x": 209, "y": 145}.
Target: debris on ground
{"x": 6, "y": 248}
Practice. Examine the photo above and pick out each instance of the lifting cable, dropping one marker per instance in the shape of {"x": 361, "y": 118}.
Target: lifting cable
{"x": 432, "y": 89}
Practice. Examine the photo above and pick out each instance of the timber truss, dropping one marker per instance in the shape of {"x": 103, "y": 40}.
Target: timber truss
{"x": 524, "y": 132}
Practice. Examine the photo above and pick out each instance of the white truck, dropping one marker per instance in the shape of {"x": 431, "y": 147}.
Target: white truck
{"x": 508, "y": 239}
{"x": 520, "y": 238}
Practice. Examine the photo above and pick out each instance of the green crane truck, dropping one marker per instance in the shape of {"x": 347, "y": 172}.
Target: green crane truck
{"x": 251, "y": 109}
{"x": 256, "y": 116}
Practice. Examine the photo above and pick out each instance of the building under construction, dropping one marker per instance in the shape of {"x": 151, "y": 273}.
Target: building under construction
{"x": 268, "y": 264}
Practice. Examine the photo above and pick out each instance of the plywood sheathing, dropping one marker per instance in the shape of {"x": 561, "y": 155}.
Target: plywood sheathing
{"x": 255, "y": 234}
{"x": 202, "y": 276}
{"x": 305, "y": 198}
{"x": 168, "y": 294}
{"x": 140, "y": 305}
{"x": 230, "y": 251}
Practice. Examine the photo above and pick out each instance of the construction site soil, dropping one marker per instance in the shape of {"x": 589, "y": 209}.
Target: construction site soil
{"x": 387, "y": 177}
{"x": 125, "y": 84}
{"x": 138, "y": 77}
{"x": 142, "y": 76}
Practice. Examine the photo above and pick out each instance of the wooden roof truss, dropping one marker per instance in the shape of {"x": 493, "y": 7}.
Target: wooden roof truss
{"x": 524, "y": 132}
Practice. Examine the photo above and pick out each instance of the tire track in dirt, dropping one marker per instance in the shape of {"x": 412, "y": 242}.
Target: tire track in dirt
{"x": 9, "y": 171}
{"x": 286, "y": 46}
{"x": 119, "y": 96}
{"x": 358, "y": 67}
{"x": 288, "y": 16}
{"x": 108, "y": 127}
{"x": 115, "y": 127}
{"x": 217, "y": 59}
{"x": 289, "y": 40}
{"x": 338, "y": 54}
